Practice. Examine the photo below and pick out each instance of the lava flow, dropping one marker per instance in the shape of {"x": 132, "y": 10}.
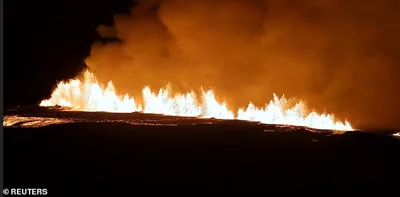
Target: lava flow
{"x": 90, "y": 95}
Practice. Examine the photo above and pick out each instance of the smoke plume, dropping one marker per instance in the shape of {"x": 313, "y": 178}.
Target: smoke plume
{"x": 342, "y": 56}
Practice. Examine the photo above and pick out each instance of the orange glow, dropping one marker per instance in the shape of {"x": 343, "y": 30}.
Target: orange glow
{"x": 9, "y": 121}
{"x": 90, "y": 95}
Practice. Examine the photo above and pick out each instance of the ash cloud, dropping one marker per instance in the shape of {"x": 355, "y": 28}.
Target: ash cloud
{"x": 339, "y": 56}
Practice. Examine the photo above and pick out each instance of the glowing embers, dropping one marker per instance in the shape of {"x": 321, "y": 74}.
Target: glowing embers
{"x": 18, "y": 121}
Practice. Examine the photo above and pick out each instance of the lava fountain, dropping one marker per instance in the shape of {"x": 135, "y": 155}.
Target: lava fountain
{"x": 90, "y": 95}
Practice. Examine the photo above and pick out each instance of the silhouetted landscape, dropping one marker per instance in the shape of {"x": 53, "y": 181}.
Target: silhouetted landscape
{"x": 195, "y": 154}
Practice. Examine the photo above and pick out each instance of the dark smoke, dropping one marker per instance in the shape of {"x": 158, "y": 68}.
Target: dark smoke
{"x": 342, "y": 56}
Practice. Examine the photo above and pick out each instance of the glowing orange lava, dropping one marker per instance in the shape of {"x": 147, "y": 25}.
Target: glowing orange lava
{"x": 90, "y": 95}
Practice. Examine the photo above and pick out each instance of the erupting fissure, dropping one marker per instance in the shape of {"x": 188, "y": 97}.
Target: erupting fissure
{"x": 90, "y": 95}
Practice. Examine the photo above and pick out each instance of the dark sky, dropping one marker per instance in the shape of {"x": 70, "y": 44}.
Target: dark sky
{"x": 47, "y": 41}
{"x": 342, "y": 56}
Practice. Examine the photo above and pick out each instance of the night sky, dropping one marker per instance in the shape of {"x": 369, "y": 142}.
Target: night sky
{"x": 47, "y": 41}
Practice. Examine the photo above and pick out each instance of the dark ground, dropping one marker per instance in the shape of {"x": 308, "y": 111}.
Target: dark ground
{"x": 94, "y": 157}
